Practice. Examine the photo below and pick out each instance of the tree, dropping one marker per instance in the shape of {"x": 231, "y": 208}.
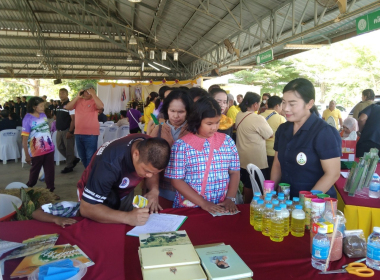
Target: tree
{"x": 9, "y": 90}
{"x": 272, "y": 76}
{"x": 76, "y": 85}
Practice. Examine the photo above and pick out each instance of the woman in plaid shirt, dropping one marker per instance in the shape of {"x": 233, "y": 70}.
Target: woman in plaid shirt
{"x": 204, "y": 165}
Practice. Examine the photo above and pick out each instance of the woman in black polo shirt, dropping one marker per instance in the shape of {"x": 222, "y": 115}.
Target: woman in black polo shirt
{"x": 307, "y": 149}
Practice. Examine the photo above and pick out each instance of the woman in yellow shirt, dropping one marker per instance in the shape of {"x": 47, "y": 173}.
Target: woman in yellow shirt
{"x": 149, "y": 108}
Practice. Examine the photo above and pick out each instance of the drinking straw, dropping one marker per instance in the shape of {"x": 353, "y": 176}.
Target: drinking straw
{"x": 332, "y": 241}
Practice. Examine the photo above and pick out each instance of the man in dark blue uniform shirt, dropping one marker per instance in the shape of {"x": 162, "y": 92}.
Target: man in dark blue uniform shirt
{"x": 369, "y": 126}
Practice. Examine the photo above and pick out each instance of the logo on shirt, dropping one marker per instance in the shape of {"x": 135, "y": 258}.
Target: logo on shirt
{"x": 124, "y": 183}
{"x": 301, "y": 159}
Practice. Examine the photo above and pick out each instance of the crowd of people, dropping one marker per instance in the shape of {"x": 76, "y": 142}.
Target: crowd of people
{"x": 194, "y": 147}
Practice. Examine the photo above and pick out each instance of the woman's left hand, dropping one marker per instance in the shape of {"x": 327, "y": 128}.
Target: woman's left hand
{"x": 229, "y": 205}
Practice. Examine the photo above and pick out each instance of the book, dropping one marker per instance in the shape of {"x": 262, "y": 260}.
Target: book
{"x": 185, "y": 272}
{"x": 159, "y": 223}
{"x": 58, "y": 252}
{"x": 6, "y": 246}
{"x": 222, "y": 263}
{"x": 166, "y": 249}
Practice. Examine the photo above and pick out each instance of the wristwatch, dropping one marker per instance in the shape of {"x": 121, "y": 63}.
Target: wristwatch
{"x": 232, "y": 198}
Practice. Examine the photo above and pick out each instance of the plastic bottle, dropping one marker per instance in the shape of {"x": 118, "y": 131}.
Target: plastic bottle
{"x": 285, "y": 217}
{"x": 373, "y": 249}
{"x": 274, "y": 194}
{"x": 277, "y": 225}
{"x": 258, "y": 219}
{"x": 296, "y": 201}
{"x": 321, "y": 247}
{"x": 268, "y": 200}
{"x": 275, "y": 202}
{"x": 374, "y": 187}
{"x": 290, "y": 207}
{"x": 297, "y": 227}
{"x": 258, "y": 194}
{"x": 267, "y": 215}
{"x": 281, "y": 197}
{"x": 251, "y": 209}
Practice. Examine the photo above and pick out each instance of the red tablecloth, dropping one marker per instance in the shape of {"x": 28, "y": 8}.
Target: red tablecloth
{"x": 104, "y": 244}
{"x": 351, "y": 200}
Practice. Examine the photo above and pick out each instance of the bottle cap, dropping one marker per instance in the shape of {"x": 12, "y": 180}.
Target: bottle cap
{"x": 257, "y": 193}
{"x": 275, "y": 202}
{"x": 296, "y": 199}
{"x": 376, "y": 229}
{"x": 268, "y": 198}
{"x": 273, "y": 192}
{"x": 256, "y": 198}
{"x": 299, "y": 207}
{"x": 281, "y": 194}
{"x": 289, "y": 202}
{"x": 268, "y": 206}
{"x": 283, "y": 205}
{"x": 260, "y": 201}
{"x": 375, "y": 176}
{"x": 277, "y": 208}
{"x": 322, "y": 230}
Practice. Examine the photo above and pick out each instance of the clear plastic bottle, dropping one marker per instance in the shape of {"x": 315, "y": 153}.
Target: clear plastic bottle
{"x": 277, "y": 225}
{"x": 281, "y": 197}
{"x": 257, "y": 194}
{"x": 285, "y": 217}
{"x": 297, "y": 227}
{"x": 251, "y": 209}
{"x": 275, "y": 202}
{"x": 290, "y": 207}
{"x": 296, "y": 201}
{"x": 267, "y": 215}
{"x": 320, "y": 252}
{"x": 258, "y": 219}
{"x": 274, "y": 194}
{"x": 374, "y": 187}
{"x": 268, "y": 200}
{"x": 373, "y": 249}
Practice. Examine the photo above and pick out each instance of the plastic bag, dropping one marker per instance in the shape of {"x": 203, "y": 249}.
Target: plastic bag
{"x": 354, "y": 244}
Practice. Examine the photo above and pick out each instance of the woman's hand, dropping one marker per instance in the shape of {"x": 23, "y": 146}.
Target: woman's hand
{"x": 28, "y": 159}
{"x": 62, "y": 221}
{"x": 212, "y": 208}
{"x": 229, "y": 205}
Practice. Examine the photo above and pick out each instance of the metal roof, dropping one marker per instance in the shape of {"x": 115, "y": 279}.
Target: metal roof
{"x": 89, "y": 38}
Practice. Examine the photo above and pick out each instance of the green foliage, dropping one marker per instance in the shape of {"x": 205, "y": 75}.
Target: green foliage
{"x": 29, "y": 204}
{"x": 9, "y": 90}
{"x": 76, "y": 85}
{"x": 272, "y": 76}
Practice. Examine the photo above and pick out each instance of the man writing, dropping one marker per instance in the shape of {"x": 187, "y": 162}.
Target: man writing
{"x": 86, "y": 106}
{"x": 65, "y": 123}
{"x": 119, "y": 166}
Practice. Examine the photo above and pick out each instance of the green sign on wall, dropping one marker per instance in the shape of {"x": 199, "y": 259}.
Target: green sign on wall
{"x": 368, "y": 22}
{"x": 264, "y": 57}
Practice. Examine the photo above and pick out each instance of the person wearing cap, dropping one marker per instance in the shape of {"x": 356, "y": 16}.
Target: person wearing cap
{"x": 86, "y": 106}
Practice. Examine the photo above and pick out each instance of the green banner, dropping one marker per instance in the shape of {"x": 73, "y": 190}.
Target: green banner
{"x": 264, "y": 57}
{"x": 368, "y": 22}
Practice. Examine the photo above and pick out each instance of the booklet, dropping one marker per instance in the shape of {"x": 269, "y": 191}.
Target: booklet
{"x": 167, "y": 249}
{"x": 6, "y": 246}
{"x": 58, "y": 252}
{"x": 159, "y": 223}
{"x": 222, "y": 263}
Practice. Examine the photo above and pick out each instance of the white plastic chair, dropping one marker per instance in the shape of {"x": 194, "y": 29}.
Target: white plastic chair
{"x": 19, "y": 137}
{"x": 16, "y": 185}
{"x": 102, "y": 130}
{"x": 251, "y": 168}
{"x": 58, "y": 157}
{"x": 8, "y": 145}
{"x": 110, "y": 133}
{"x": 100, "y": 123}
{"x": 123, "y": 131}
{"x": 22, "y": 158}
{"x": 109, "y": 123}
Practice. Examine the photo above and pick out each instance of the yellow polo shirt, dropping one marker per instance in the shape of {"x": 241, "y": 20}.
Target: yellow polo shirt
{"x": 274, "y": 122}
{"x": 334, "y": 113}
{"x": 232, "y": 112}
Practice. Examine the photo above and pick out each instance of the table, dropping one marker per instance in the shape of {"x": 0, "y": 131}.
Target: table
{"x": 361, "y": 213}
{"x": 290, "y": 259}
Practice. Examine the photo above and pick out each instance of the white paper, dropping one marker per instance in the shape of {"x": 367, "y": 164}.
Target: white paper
{"x": 224, "y": 214}
{"x": 344, "y": 174}
{"x": 158, "y": 223}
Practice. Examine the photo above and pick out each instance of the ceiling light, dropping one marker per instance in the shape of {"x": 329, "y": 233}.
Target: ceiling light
{"x": 141, "y": 53}
{"x": 135, "y": 1}
{"x": 129, "y": 58}
{"x": 239, "y": 67}
{"x": 151, "y": 54}
{"x": 161, "y": 65}
{"x": 175, "y": 56}
{"x": 39, "y": 53}
{"x": 142, "y": 66}
{"x": 163, "y": 55}
{"x": 132, "y": 40}
{"x": 154, "y": 67}
{"x": 303, "y": 46}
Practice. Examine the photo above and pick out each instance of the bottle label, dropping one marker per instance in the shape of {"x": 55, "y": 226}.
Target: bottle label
{"x": 373, "y": 252}
{"x": 320, "y": 252}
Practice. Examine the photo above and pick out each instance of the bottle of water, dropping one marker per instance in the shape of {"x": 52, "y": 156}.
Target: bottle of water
{"x": 320, "y": 251}
{"x": 297, "y": 227}
{"x": 258, "y": 219}
{"x": 267, "y": 215}
{"x": 285, "y": 217}
{"x": 275, "y": 202}
{"x": 373, "y": 249}
{"x": 374, "y": 187}
{"x": 296, "y": 201}
{"x": 251, "y": 208}
{"x": 277, "y": 225}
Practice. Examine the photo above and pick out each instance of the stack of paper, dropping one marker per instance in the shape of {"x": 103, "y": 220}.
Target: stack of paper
{"x": 169, "y": 255}
{"x": 6, "y": 246}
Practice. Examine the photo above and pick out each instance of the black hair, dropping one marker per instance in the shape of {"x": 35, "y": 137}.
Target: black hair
{"x": 18, "y": 97}
{"x": 273, "y": 101}
{"x": 214, "y": 91}
{"x": 205, "y": 107}
{"x": 303, "y": 87}
{"x": 240, "y": 95}
{"x": 184, "y": 88}
{"x": 63, "y": 89}
{"x": 33, "y": 102}
{"x": 266, "y": 94}
{"x": 48, "y": 113}
{"x": 14, "y": 116}
{"x": 123, "y": 113}
{"x": 212, "y": 87}
{"x": 155, "y": 151}
{"x": 134, "y": 104}
{"x": 112, "y": 201}
{"x": 4, "y": 113}
{"x": 197, "y": 92}
{"x": 151, "y": 97}
{"x": 314, "y": 110}
{"x": 369, "y": 93}
{"x": 161, "y": 91}
{"x": 177, "y": 94}
{"x": 249, "y": 99}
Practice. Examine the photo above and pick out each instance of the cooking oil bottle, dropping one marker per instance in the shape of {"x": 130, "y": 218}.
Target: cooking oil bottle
{"x": 267, "y": 215}
{"x": 277, "y": 225}
{"x": 258, "y": 218}
{"x": 285, "y": 217}
{"x": 297, "y": 228}
{"x": 252, "y": 210}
